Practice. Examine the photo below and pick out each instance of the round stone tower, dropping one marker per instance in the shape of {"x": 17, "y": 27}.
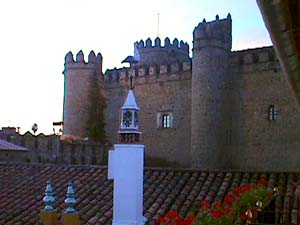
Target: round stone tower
{"x": 209, "y": 114}
{"x": 78, "y": 77}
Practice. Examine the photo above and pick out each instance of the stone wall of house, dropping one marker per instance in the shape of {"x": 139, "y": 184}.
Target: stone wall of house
{"x": 14, "y": 156}
{"x": 50, "y": 149}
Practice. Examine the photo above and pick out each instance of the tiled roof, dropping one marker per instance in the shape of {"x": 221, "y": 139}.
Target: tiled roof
{"x": 5, "y": 145}
{"x": 22, "y": 189}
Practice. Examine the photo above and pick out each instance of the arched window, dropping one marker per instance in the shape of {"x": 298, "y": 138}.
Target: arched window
{"x": 272, "y": 113}
{"x": 164, "y": 120}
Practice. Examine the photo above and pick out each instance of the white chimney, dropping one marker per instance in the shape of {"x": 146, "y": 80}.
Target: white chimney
{"x": 126, "y": 168}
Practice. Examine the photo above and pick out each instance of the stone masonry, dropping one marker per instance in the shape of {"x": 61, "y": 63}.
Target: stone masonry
{"x": 50, "y": 149}
{"x": 219, "y": 101}
{"x": 210, "y": 100}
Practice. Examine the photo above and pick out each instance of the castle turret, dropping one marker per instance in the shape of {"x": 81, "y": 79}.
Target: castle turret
{"x": 147, "y": 53}
{"x": 209, "y": 112}
{"x": 78, "y": 77}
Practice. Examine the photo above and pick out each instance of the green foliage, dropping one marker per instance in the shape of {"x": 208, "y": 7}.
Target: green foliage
{"x": 250, "y": 198}
{"x": 96, "y": 119}
{"x": 239, "y": 207}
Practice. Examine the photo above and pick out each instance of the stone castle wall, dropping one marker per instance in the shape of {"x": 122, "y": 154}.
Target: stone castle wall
{"x": 259, "y": 83}
{"x": 210, "y": 100}
{"x": 148, "y": 54}
{"x": 249, "y": 139}
{"x": 158, "y": 89}
{"x": 78, "y": 77}
{"x": 219, "y": 103}
{"x": 50, "y": 149}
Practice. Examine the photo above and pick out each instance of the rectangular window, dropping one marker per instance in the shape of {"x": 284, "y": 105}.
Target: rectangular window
{"x": 272, "y": 113}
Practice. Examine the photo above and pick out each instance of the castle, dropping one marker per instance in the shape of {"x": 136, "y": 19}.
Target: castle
{"x": 219, "y": 109}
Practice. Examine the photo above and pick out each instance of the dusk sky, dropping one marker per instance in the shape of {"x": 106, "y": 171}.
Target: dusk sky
{"x": 36, "y": 35}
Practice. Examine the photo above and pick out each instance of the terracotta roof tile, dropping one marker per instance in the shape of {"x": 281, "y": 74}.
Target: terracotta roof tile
{"x": 22, "y": 189}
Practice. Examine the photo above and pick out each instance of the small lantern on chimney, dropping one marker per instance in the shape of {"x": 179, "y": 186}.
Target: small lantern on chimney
{"x": 129, "y": 128}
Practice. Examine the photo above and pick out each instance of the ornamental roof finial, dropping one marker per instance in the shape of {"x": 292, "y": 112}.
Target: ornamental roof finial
{"x": 71, "y": 199}
{"x": 49, "y": 198}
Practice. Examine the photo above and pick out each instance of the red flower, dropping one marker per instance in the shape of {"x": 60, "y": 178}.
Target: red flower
{"x": 245, "y": 216}
{"x": 242, "y": 189}
{"x": 204, "y": 204}
{"x": 237, "y": 191}
{"x": 228, "y": 199}
{"x": 217, "y": 214}
{"x": 228, "y": 210}
{"x": 217, "y": 205}
{"x": 177, "y": 221}
{"x": 262, "y": 182}
{"x": 172, "y": 214}
{"x": 248, "y": 187}
{"x": 160, "y": 220}
{"x": 188, "y": 220}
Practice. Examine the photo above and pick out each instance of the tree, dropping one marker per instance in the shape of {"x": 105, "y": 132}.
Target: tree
{"x": 96, "y": 118}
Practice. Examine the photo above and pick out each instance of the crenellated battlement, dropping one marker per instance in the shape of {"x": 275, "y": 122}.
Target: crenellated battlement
{"x": 249, "y": 59}
{"x": 215, "y": 33}
{"x": 119, "y": 74}
{"x": 149, "y": 52}
{"x": 180, "y": 46}
{"x": 93, "y": 62}
{"x": 256, "y": 59}
{"x": 255, "y": 55}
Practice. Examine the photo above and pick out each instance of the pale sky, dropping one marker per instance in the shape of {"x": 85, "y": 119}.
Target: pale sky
{"x": 36, "y": 35}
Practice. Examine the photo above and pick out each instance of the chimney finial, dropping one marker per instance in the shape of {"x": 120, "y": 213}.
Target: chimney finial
{"x": 49, "y": 198}
{"x": 71, "y": 199}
